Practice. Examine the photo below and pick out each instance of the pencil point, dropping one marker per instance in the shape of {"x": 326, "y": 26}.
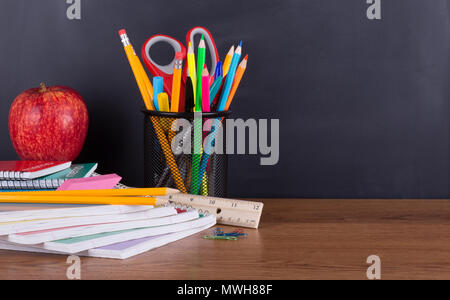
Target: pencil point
{"x": 240, "y": 44}
{"x": 203, "y": 37}
{"x": 205, "y": 71}
{"x": 202, "y": 44}
{"x": 231, "y": 51}
{"x": 243, "y": 63}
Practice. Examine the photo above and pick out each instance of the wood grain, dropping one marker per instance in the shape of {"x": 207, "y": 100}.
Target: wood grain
{"x": 297, "y": 239}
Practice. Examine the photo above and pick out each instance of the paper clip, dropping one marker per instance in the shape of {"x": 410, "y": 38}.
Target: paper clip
{"x": 220, "y": 237}
{"x": 235, "y": 233}
{"x": 218, "y": 231}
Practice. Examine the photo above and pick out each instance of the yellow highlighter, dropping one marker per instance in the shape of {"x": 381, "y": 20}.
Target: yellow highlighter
{"x": 163, "y": 102}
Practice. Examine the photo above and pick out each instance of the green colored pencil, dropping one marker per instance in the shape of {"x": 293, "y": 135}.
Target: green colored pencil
{"x": 198, "y": 140}
{"x": 200, "y": 64}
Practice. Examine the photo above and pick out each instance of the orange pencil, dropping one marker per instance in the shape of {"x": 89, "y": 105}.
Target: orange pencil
{"x": 176, "y": 82}
{"x": 227, "y": 61}
{"x": 239, "y": 73}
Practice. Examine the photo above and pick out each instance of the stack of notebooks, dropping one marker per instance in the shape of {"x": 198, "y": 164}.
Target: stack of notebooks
{"x": 107, "y": 231}
{"x": 36, "y": 175}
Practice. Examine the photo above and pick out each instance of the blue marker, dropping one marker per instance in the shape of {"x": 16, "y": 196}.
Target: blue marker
{"x": 158, "y": 83}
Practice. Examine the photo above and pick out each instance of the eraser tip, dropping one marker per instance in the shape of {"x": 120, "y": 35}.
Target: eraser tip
{"x": 179, "y": 55}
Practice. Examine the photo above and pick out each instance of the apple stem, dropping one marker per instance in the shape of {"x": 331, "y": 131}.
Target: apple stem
{"x": 43, "y": 87}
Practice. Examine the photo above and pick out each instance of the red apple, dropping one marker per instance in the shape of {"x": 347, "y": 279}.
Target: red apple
{"x": 48, "y": 124}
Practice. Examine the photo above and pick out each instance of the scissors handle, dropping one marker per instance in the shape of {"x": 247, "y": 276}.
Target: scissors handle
{"x": 211, "y": 45}
{"x": 157, "y": 69}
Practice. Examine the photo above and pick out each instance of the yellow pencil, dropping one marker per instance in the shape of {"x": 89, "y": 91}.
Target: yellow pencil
{"x": 98, "y": 193}
{"x": 239, "y": 73}
{"x": 176, "y": 82}
{"x": 191, "y": 67}
{"x": 144, "y": 77}
{"x": 78, "y": 200}
{"x": 227, "y": 61}
{"x": 138, "y": 71}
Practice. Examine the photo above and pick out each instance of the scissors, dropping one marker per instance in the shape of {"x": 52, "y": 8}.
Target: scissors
{"x": 167, "y": 71}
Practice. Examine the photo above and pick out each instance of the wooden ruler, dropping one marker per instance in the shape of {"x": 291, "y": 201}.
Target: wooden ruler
{"x": 228, "y": 211}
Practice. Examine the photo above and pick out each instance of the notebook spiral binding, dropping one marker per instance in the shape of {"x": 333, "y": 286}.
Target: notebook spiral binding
{"x": 30, "y": 184}
{"x": 8, "y": 175}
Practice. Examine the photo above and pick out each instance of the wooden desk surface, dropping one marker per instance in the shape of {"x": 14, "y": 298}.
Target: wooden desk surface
{"x": 297, "y": 239}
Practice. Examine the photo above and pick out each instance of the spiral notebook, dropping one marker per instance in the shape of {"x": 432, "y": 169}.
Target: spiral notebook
{"x": 52, "y": 181}
{"x": 22, "y": 170}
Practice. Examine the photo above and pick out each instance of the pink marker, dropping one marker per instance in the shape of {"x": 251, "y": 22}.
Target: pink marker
{"x": 205, "y": 91}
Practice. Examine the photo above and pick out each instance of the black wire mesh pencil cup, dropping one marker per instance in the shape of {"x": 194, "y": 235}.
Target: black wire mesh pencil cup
{"x": 186, "y": 151}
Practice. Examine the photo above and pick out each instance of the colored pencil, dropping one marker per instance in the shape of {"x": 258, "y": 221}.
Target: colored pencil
{"x": 205, "y": 90}
{"x": 219, "y": 71}
{"x": 230, "y": 78}
{"x": 227, "y": 61}
{"x": 197, "y": 145}
{"x": 197, "y": 153}
{"x": 239, "y": 73}
{"x": 191, "y": 67}
{"x": 215, "y": 89}
{"x": 200, "y": 63}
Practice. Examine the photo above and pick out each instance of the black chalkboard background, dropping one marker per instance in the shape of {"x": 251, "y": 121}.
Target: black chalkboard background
{"x": 363, "y": 105}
